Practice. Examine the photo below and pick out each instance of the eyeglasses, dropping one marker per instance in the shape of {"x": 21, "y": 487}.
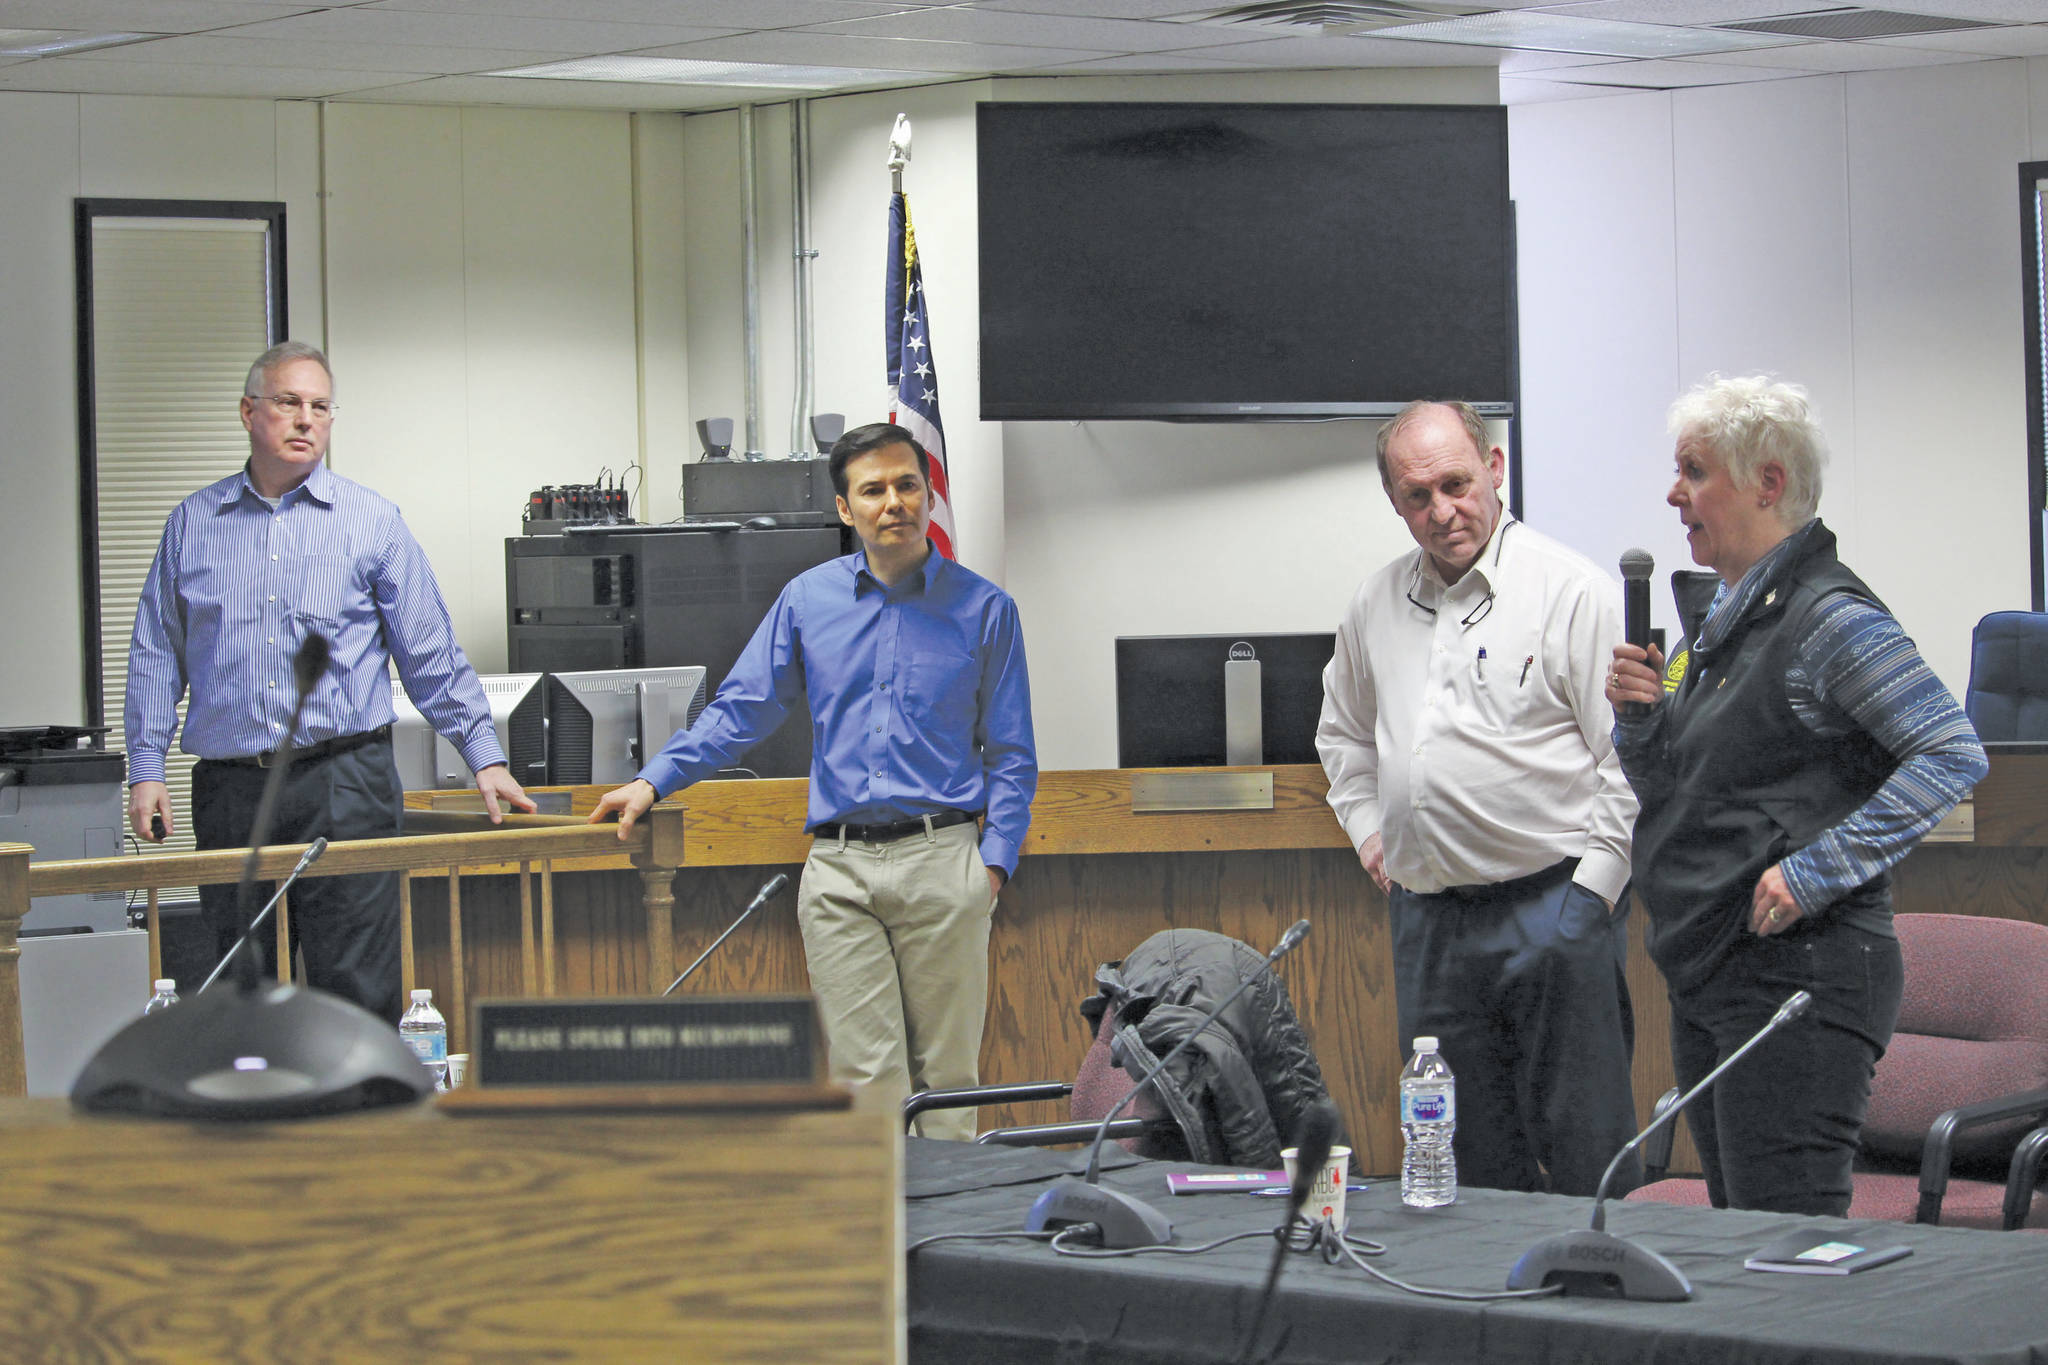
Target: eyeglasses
{"x": 289, "y": 404}
{"x": 1469, "y": 619}
{"x": 1478, "y": 613}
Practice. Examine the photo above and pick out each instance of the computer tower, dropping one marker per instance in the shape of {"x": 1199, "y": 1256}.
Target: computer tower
{"x": 648, "y": 597}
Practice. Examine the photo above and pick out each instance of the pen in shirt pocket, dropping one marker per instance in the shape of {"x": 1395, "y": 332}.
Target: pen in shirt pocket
{"x": 1479, "y": 665}
{"x": 1525, "y": 671}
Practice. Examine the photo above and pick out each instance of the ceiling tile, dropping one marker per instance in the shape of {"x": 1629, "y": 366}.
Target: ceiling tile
{"x": 1700, "y": 12}
{"x": 1344, "y": 53}
{"x": 1140, "y": 63}
{"x": 613, "y": 95}
{"x": 1840, "y": 57}
{"x": 1104, "y": 9}
{"x": 1537, "y": 90}
{"x": 472, "y": 30}
{"x": 1667, "y": 75}
{"x": 142, "y": 16}
{"x": 1039, "y": 30}
{"x": 1523, "y": 63}
{"x": 2030, "y": 40}
{"x": 79, "y": 76}
{"x": 732, "y": 16}
{"x": 1993, "y": 11}
{"x": 874, "y": 54}
{"x": 223, "y": 49}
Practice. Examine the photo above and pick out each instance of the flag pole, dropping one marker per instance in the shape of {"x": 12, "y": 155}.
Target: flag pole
{"x": 899, "y": 152}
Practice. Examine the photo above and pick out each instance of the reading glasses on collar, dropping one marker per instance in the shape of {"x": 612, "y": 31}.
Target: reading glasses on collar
{"x": 1478, "y": 613}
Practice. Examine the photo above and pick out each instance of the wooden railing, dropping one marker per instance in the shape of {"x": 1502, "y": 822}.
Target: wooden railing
{"x": 456, "y": 842}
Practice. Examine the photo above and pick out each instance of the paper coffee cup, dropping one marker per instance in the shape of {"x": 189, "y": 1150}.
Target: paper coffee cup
{"x": 1326, "y": 1196}
{"x": 458, "y": 1067}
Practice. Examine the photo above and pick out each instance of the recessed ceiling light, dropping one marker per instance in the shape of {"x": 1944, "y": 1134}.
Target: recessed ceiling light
{"x": 679, "y": 71}
{"x": 50, "y": 42}
{"x": 1596, "y": 37}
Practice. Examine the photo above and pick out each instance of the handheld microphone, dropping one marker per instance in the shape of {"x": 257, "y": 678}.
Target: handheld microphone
{"x": 1127, "y": 1221}
{"x": 769, "y": 890}
{"x": 1596, "y": 1263}
{"x": 1636, "y": 568}
{"x": 1313, "y": 1138}
{"x": 306, "y": 860}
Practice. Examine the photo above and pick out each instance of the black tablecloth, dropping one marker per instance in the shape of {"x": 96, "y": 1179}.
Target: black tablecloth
{"x": 1963, "y": 1296}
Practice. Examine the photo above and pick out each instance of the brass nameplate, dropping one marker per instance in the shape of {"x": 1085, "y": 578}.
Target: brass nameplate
{"x": 1152, "y": 793}
{"x": 677, "y": 1040}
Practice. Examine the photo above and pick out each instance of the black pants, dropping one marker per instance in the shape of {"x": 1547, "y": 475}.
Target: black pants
{"x": 1522, "y": 984}
{"x": 346, "y": 927}
{"x": 1778, "y": 1132}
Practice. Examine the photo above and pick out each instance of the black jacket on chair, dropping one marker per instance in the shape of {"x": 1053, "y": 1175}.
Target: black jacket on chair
{"x": 1239, "y": 1090}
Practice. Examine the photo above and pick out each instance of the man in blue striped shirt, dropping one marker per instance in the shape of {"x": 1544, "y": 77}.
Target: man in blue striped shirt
{"x": 921, "y": 726}
{"x": 248, "y": 568}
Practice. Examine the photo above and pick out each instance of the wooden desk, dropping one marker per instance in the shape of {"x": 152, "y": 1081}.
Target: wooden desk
{"x": 409, "y": 1234}
{"x": 1097, "y": 879}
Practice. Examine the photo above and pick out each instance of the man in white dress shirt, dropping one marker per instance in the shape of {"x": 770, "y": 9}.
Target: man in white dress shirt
{"x": 1469, "y": 750}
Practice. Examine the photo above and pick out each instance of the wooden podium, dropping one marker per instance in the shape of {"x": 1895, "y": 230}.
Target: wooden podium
{"x": 413, "y": 1234}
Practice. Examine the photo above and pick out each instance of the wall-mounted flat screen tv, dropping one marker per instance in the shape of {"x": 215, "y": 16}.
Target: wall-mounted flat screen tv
{"x": 1243, "y": 261}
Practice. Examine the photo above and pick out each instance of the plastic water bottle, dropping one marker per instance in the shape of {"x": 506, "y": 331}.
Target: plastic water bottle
{"x": 426, "y": 1033}
{"x": 165, "y": 997}
{"x": 1429, "y": 1115}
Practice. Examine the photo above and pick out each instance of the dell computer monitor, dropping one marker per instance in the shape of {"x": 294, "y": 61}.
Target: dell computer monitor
{"x": 604, "y": 726}
{"x": 428, "y": 762}
{"x": 1201, "y": 701}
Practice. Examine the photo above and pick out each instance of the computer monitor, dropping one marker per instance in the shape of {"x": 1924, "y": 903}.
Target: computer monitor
{"x": 603, "y": 726}
{"x": 428, "y": 762}
{"x": 1204, "y": 701}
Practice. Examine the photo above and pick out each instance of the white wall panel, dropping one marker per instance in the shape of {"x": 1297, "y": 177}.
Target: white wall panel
{"x": 41, "y": 636}
{"x": 1939, "y": 526}
{"x": 397, "y": 327}
{"x": 550, "y": 352}
{"x": 665, "y": 437}
{"x": 1592, "y": 181}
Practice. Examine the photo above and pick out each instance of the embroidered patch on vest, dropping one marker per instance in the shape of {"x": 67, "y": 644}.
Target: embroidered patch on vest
{"x": 1674, "y": 671}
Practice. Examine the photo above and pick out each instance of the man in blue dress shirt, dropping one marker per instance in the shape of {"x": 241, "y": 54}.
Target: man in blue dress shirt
{"x": 247, "y": 569}
{"x": 921, "y": 726}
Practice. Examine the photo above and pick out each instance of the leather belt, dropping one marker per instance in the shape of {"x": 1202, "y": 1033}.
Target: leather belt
{"x": 325, "y": 748}
{"x": 899, "y": 829}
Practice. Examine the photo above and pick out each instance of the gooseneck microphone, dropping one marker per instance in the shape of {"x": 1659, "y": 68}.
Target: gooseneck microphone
{"x": 1313, "y": 1138}
{"x": 1636, "y": 568}
{"x": 1597, "y": 1264}
{"x": 257, "y": 1052}
{"x": 306, "y": 860}
{"x": 768, "y": 892}
{"x": 1127, "y": 1221}
{"x": 307, "y": 666}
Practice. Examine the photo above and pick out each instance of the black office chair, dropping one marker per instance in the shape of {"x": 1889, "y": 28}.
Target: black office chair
{"x": 1098, "y": 1085}
{"x": 2008, "y": 695}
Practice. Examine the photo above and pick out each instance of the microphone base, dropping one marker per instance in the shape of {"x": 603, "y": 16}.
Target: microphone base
{"x": 1600, "y": 1265}
{"x": 1125, "y": 1221}
{"x": 277, "y": 1052}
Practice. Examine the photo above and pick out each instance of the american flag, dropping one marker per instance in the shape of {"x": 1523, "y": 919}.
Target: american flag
{"x": 913, "y": 382}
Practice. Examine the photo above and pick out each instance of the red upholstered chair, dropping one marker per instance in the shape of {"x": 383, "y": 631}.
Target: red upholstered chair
{"x": 1947, "y": 1138}
{"x": 1096, "y": 1088}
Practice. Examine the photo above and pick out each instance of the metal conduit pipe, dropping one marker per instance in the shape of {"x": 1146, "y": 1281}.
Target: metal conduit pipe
{"x": 750, "y": 287}
{"x": 800, "y": 438}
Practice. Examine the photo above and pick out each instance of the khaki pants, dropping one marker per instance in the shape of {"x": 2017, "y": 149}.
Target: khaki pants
{"x": 896, "y": 939}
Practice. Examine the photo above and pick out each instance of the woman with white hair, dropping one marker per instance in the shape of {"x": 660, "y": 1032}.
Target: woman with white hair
{"x": 1785, "y": 760}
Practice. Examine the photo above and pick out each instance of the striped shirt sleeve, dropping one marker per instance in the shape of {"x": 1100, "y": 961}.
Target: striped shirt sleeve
{"x": 1857, "y": 669}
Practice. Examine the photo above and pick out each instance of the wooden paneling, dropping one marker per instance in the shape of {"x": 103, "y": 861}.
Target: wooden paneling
{"x": 413, "y": 1235}
{"x": 2012, "y": 800}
